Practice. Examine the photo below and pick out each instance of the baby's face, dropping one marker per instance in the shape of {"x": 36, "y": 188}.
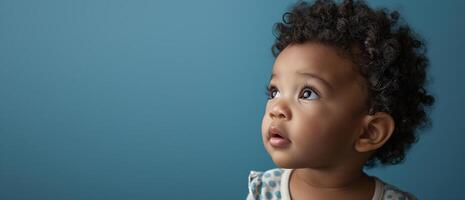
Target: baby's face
{"x": 316, "y": 104}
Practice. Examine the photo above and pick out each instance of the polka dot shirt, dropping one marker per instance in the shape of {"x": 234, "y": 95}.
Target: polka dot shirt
{"x": 274, "y": 184}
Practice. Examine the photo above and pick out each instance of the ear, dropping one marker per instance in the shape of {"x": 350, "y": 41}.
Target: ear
{"x": 376, "y": 131}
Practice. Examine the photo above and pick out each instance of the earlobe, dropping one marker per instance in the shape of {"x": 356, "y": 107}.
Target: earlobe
{"x": 377, "y": 129}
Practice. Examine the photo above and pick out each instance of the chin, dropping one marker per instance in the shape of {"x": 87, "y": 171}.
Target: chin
{"x": 284, "y": 165}
{"x": 282, "y": 160}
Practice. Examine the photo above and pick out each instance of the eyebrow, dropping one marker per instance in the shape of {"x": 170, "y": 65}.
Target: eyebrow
{"x": 311, "y": 75}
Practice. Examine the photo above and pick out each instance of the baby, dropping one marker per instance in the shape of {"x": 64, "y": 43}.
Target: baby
{"x": 347, "y": 91}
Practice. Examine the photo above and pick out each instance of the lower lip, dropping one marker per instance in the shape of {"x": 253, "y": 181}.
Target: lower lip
{"x": 279, "y": 142}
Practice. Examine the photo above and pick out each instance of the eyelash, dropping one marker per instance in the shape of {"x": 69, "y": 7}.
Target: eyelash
{"x": 268, "y": 89}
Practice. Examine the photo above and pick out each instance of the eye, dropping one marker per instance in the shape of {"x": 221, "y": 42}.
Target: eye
{"x": 271, "y": 92}
{"x": 309, "y": 93}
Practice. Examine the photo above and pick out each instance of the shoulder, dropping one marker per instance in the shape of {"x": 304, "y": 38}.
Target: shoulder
{"x": 265, "y": 184}
{"x": 391, "y": 192}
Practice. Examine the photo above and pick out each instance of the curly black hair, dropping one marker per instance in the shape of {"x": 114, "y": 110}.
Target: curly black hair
{"x": 388, "y": 54}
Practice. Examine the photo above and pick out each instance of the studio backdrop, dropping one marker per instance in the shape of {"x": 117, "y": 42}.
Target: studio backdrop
{"x": 163, "y": 99}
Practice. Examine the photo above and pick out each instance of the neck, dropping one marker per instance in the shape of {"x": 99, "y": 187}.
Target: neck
{"x": 332, "y": 179}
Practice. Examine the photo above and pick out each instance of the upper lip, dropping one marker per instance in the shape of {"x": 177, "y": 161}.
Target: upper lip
{"x": 276, "y": 130}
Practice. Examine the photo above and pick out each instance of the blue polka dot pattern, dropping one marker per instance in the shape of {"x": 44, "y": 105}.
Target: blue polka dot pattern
{"x": 277, "y": 173}
{"x": 267, "y": 174}
{"x": 272, "y": 184}
{"x": 269, "y": 195}
{"x": 267, "y": 185}
{"x": 393, "y": 193}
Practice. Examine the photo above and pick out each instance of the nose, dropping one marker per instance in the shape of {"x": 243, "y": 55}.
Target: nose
{"x": 280, "y": 110}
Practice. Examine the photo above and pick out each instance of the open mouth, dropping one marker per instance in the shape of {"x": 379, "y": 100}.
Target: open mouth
{"x": 276, "y": 135}
{"x": 277, "y": 139}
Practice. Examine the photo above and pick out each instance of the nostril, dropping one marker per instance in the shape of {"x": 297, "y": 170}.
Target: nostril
{"x": 278, "y": 115}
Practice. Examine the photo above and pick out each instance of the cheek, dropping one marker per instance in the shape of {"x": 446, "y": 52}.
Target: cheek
{"x": 321, "y": 131}
{"x": 314, "y": 122}
{"x": 311, "y": 131}
{"x": 265, "y": 123}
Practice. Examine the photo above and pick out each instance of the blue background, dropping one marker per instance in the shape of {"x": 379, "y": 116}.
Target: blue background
{"x": 163, "y": 99}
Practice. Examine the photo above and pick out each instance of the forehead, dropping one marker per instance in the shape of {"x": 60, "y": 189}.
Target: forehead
{"x": 315, "y": 58}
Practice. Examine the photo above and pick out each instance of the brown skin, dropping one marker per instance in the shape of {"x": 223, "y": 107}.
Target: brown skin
{"x": 330, "y": 131}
